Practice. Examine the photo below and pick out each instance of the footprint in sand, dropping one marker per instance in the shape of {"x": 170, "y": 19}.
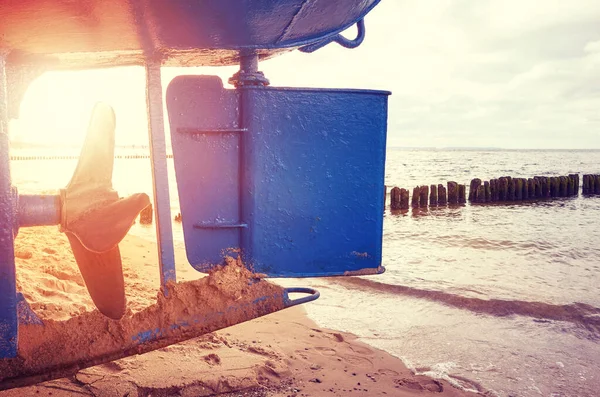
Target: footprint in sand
{"x": 212, "y": 359}
{"x": 326, "y": 351}
{"x": 424, "y": 384}
{"x": 389, "y": 372}
{"x": 362, "y": 350}
{"x": 357, "y": 360}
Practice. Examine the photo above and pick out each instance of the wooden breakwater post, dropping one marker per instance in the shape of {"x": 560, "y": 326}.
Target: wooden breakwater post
{"x": 502, "y": 188}
{"x": 462, "y": 194}
{"x": 415, "y": 197}
{"x": 146, "y": 215}
{"x": 591, "y": 184}
{"x": 530, "y": 188}
{"x": 423, "y": 196}
{"x": 442, "y": 198}
{"x": 395, "y": 198}
{"x": 511, "y": 193}
{"x": 452, "y": 192}
{"x": 494, "y": 193}
{"x": 404, "y": 199}
{"x": 433, "y": 196}
{"x": 575, "y": 180}
{"x": 475, "y": 183}
{"x": 398, "y": 199}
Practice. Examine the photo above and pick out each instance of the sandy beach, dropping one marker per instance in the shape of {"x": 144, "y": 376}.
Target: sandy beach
{"x": 281, "y": 354}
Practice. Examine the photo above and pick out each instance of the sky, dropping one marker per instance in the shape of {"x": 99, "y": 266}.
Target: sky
{"x": 463, "y": 73}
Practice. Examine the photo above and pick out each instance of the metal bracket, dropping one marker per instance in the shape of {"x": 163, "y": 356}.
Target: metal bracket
{"x": 341, "y": 40}
{"x": 248, "y": 75}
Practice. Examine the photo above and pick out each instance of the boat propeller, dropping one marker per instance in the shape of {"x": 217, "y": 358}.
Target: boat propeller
{"x": 95, "y": 219}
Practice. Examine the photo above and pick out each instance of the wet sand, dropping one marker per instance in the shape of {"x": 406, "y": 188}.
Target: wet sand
{"x": 281, "y": 354}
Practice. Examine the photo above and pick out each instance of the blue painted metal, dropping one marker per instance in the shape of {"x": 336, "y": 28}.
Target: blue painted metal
{"x": 313, "y": 294}
{"x": 251, "y": 24}
{"x": 341, "y": 40}
{"x": 24, "y": 312}
{"x": 211, "y": 183}
{"x": 207, "y": 32}
{"x": 306, "y": 177}
{"x": 38, "y": 210}
{"x": 160, "y": 176}
{"x": 8, "y": 292}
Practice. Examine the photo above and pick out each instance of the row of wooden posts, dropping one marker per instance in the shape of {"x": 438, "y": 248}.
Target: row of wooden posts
{"x": 507, "y": 188}
{"x": 591, "y": 184}
{"x": 503, "y": 189}
{"x": 428, "y": 195}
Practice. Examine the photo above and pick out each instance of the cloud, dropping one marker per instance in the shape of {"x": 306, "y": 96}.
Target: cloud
{"x": 472, "y": 72}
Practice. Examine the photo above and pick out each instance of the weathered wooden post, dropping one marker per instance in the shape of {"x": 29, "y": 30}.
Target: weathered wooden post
{"x": 570, "y": 185}
{"x": 537, "y": 187}
{"x": 395, "y": 198}
{"x": 424, "y": 195}
{"x": 442, "y": 200}
{"x": 433, "y": 197}
{"x": 480, "y": 195}
{"x": 510, "y": 196}
{"x": 452, "y": 192}
{"x": 530, "y": 188}
{"x": 597, "y": 184}
{"x": 546, "y": 192}
{"x": 475, "y": 183}
{"x": 575, "y": 178}
{"x": 586, "y": 184}
{"x": 552, "y": 187}
{"x": 146, "y": 215}
{"x": 415, "y": 197}
{"x": 462, "y": 194}
{"x": 518, "y": 189}
{"x": 493, "y": 190}
{"x": 487, "y": 191}
{"x": 404, "y": 199}
{"x": 564, "y": 186}
{"x": 502, "y": 188}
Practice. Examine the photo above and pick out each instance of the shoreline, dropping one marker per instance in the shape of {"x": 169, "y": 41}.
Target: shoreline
{"x": 282, "y": 354}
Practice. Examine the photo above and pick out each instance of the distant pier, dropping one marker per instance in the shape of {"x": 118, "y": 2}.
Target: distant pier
{"x": 76, "y": 157}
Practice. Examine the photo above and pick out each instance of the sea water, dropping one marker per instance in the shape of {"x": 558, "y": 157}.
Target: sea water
{"x": 501, "y": 298}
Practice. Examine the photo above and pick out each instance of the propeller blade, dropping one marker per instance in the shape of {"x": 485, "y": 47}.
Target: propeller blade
{"x": 103, "y": 276}
{"x": 95, "y": 165}
{"x": 103, "y": 228}
{"x": 95, "y": 219}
